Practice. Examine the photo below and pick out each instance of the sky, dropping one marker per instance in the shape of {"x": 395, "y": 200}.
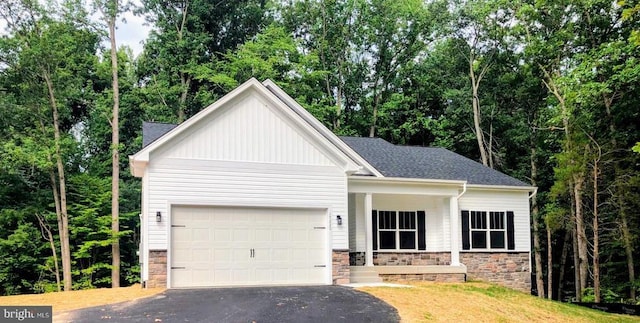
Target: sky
{"x": 132, "y": 32}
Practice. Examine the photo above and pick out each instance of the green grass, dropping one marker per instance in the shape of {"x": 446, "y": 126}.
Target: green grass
{"x": 482, "y": 302}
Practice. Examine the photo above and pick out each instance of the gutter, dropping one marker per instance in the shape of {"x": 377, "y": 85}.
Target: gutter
{"x": 534, "y": 193}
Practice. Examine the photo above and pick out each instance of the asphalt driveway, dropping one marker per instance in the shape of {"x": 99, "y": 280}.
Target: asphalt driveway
{"x": 252, "y": 304}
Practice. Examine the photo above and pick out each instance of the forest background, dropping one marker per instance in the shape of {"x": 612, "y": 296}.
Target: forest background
{"x": 546, "y": 91}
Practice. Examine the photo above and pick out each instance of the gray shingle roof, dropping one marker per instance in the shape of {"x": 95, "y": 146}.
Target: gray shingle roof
{"x": 154, "y": 130}
{"x": 426, "y": 163}
{"x": 396, "y": 161}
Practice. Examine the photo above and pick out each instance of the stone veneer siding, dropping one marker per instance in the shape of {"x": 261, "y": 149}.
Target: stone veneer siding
{"x": 357, "y": 258}
{"x": 157, "y": 269}
{"x": 340, "y": 267}
{"x": 412, "y": 259}
{"x": 509, "y": 269}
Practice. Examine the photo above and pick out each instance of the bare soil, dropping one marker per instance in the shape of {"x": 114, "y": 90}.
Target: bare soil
{"x": 65, "y": 301}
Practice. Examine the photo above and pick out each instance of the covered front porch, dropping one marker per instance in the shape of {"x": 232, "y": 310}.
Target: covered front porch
{"x": 404, "y": 229}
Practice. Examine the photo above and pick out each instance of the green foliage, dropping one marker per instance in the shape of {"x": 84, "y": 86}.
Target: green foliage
{"x": 608, "y": 296}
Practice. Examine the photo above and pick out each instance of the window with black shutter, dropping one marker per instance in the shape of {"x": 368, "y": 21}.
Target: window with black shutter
{"x": 487, "y": 230}
{"x": 398, "y": 230}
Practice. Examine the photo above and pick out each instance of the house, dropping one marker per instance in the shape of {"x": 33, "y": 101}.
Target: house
{"x": 253, "y": 190}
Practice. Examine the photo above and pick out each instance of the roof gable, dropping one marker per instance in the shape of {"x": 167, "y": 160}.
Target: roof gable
{"x": 426, "y": 163}
{"x": 240, "y": 116}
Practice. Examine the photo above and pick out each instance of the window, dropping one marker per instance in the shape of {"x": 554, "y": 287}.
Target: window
{"x": 397, "y": 230}
{"x": 497, "y": 230}
{"x": 487, "y": 230}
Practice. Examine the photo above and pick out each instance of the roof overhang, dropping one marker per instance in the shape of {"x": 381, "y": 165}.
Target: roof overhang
{"x": 502, "y": 188}
{"x": 409, "y": 186}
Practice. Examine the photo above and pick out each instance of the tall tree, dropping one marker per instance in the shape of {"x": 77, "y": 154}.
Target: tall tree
{"x": 53, "y": 48}
{"x": 110, "y": 10}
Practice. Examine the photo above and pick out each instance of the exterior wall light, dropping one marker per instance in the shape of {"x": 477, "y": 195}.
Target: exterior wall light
{"x": 158, "y": 216}
{"x": 339, "y": 219}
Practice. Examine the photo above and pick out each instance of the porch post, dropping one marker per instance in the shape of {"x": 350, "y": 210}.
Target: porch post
{"x": 368, "y": 207}
{"x": 454, "y": 220}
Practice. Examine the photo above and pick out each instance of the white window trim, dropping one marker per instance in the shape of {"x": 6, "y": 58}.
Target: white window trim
{"x": 397, "y": 231}
{"x": 488, "y": 231}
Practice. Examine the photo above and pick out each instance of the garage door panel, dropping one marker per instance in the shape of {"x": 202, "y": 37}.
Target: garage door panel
{"x": 248, "y": 246}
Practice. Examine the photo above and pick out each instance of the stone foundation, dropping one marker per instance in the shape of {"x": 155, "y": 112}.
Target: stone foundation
{"x": 509, "y": 269}
{"x": 448, "y": 278}
{"x": 340, "y": 267}
{"x": 157, "y": 269}
{"x": 412, "y": 259}
{"x": 356, "y": 258}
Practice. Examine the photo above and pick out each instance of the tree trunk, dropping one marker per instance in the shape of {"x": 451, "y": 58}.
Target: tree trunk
{"x": 549, "y": 264}
{"x": 46, "y": 234}
{"x": 627, "y": 240}
{"x": 475, "y": 102}
{"x": 596, "y": 236}
{"x": 563, "y": 263}
{"x": 580, "y": 232}
{"x": 56, "y": 202}
{"x": 376, "y": 100}
{"x": 628, "y": 248}
{"x": 63, "y": 219}
{"x": 536, "y": 236}
{"x": 185, "y": 82}
{"x": 576, "y": 264}
{"x": 115, "y": 159}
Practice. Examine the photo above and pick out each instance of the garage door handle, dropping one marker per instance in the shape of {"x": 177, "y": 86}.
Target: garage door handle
{"x": 252, "y": 253}
{"x": 323, "y": 266}
{"x": 178, "y": 267}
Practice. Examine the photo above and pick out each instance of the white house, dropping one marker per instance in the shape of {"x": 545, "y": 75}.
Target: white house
{"x": 253, "y": 190}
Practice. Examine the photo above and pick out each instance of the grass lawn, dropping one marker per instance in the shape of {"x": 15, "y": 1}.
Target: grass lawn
{"x": 66, "y": 301}
{"x": 482, "y": 302}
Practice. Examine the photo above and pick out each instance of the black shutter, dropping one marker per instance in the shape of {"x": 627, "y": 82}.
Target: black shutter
{"x": 511, "y": 241}
{"x": 422, "y": 239}
{"x": 465, "y": 231}
{"x": 374, "y": 225}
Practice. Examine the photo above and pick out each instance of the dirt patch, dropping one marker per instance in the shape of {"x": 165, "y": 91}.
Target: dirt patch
{"x": 65, "y": 301}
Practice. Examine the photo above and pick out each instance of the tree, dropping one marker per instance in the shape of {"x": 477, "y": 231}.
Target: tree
{"x": 110, "y": 10}
{"x": 50, "y": 51}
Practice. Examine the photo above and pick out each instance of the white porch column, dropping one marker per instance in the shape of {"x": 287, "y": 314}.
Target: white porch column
{"x": 454, "y": 221}
{"x": 368, "y": 207}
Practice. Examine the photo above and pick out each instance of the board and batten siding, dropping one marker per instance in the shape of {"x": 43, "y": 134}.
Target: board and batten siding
{"x": 247, "y": 129}
{"x": 503, "y": 200}
{"x": 248, "y": 153}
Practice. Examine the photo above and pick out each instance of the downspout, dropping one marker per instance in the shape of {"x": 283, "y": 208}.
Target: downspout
{"x": 464, "y": 190}
{"x": 455, "y": 226}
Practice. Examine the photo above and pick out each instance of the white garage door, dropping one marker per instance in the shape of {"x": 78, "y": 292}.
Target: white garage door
{"x": 225, "y": 246}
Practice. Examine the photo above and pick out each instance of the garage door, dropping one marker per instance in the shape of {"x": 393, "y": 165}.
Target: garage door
{"x": 247, "y": 246}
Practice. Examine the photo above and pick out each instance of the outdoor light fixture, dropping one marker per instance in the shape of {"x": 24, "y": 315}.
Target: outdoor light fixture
{"x": 158, "y": 216}
{"x": 339, "y": 218}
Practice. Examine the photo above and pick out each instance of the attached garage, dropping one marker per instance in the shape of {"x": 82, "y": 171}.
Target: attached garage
{"x": 244, "y": 246}
{"x": 250, "y": 191}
